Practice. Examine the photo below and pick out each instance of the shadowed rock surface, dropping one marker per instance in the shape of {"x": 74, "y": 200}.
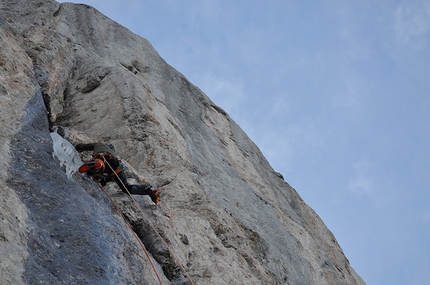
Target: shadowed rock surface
{"x": 226, "y": 214}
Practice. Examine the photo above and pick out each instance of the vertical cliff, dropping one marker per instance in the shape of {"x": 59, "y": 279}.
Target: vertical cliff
{"x": 226, "y": 214}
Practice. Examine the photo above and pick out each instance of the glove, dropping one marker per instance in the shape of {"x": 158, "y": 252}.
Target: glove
{"x": 155, "y": 196}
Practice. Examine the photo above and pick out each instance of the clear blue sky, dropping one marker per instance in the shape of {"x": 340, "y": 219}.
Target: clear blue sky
{"x": 337, "y": 96}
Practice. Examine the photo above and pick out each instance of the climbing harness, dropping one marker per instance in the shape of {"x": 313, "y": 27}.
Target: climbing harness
{"x": 115, "y": 172}
{"x": 101, "y": 156}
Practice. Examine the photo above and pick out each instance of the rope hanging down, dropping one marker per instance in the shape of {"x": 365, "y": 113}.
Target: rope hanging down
{"x": 134, "y": 233}
{"x": 150, "y": 223}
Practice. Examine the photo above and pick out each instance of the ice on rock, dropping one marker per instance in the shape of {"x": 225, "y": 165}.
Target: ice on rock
{"x": 66, "y": 154}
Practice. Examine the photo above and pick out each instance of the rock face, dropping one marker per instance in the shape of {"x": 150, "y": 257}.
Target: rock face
{"x": 226, "y": 215}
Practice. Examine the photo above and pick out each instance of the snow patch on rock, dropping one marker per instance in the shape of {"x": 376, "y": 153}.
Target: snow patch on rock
{"x": 66, "y": 154}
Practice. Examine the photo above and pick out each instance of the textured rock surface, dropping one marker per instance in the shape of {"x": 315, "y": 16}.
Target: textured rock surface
{"x": 227, "y": 216}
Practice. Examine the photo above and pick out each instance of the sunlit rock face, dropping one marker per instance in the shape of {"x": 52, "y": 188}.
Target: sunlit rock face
{"x": 226, "y": 215}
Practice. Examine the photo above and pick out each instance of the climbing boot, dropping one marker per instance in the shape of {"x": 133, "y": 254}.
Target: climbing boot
{"x": 155, "y": 196}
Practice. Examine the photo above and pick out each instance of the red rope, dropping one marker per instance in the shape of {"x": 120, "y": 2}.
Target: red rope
{"x": 134, "y": 233}
{"x": 152, "y": 225}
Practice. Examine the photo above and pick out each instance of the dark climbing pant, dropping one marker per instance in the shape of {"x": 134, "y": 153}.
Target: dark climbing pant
{"x": 121, "y": 179}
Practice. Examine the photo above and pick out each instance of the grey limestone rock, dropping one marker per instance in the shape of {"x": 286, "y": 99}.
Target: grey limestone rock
{"x": 226, "y": 215}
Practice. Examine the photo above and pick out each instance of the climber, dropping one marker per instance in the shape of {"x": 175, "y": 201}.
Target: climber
{"x": 106, "y": 166}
